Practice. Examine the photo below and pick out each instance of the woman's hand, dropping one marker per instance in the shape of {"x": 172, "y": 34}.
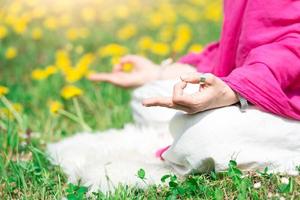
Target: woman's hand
{"x": 143, "y": 71}
{"x": 213, "y": 93}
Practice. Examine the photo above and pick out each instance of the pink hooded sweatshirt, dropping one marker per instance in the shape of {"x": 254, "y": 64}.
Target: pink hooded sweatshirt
{"x": 258, "y": 54}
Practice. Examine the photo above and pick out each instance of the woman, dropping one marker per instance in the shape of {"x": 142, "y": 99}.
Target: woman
{"x": 257, "y": 59}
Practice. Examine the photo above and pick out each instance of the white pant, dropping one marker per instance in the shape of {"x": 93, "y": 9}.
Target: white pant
{"x": 254, "y": 139}
{"x": 201, "y": 142}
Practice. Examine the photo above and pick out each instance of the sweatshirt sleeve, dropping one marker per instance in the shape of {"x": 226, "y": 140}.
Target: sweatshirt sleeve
{"x": 270, "y": 77}
{"x": 202, "y": 61}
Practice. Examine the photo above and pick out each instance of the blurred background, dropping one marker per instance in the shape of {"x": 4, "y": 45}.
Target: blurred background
{"x": 48, "y": 47}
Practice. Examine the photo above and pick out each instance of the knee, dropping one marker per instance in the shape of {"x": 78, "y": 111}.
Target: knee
{"x": 178, "y": 124}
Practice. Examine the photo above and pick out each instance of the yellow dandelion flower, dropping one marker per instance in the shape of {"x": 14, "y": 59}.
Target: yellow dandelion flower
{"x": 80, "y": 70}
{"x": 50, "y": 70}
{"x": 39, "y": 74}
{"x": 70, "y": 91}
{"x": 160, "y": 48}
{"x": 184, "y": 31}
{"x": 126, "y": 32}
{"x": 11, "y": 53}
{"x": 145, "y": 43}
{"x": 73, "y": 75}
{"x": 155, "y": 20}
{"x": 112, "y": 50}
{"x": 20, "y": 26}
{"x": 3, "y": 32}
{"x": 196, "y": 48}
{"x": 84, "y": 62}
{"x": 183, "y": 37}
{"x": 42, "y": 74}
{"x": 63, "y": 61}
{"x": 213, "y": 11}
{"x": 36, "y": 33}
{"x": 55, "y": 106}
{"x": 3, "y": 90}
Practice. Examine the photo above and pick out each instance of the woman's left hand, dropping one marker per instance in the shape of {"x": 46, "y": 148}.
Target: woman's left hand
{"x": 213, "y": 93}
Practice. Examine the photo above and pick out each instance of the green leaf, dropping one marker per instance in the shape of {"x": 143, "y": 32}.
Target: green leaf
{"x": 232, "y": 164}
{"x": 141, "y": 174}
{"x": 165, "y": 177}
{"x": 71, "y": 197}
{"x": 218, "y": 194}
{"x": 82, "y": 190}
{"x": 181, "y": 190}
{"x": 286, "y": 188}
{"x": 173, "y": 184}
{"x": 173, "y": 178}
{"x": 283, "y": 188}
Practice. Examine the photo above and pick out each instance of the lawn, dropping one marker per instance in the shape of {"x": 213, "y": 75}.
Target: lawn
{"x": 48, "y": 47}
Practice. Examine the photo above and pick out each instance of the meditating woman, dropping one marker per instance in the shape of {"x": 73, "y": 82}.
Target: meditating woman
{"x": 246, "y": 105}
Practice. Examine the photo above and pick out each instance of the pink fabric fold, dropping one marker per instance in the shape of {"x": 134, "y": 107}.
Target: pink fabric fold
{"x": 258, "y": 54}
{"x": 160, "y": 152}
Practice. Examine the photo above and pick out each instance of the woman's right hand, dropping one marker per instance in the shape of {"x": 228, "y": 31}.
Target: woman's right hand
{"x": 143, "y": 71}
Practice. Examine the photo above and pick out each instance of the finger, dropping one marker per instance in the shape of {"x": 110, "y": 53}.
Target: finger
{"x": 114, "y": 78}
{"x": 164, "y": 102}
{"x": 179, "y": 97}
{"x": 178, "y": 88}
{"x": 99, "y": 77}
{"x": 128, "y": 59}
{"x": 125, "y": 59}
{"x": 158, "y": 101}
{"x": 192, "y": 77}
{"x": 197, "y": 78}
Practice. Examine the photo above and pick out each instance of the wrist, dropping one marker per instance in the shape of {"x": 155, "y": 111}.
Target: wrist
{"x": 231, "y": 95}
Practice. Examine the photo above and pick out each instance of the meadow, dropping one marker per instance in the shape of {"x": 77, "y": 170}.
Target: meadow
{"x": 49, "y": 47}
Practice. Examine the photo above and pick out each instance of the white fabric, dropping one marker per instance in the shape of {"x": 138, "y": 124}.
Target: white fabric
{"x": 209, "y": 139}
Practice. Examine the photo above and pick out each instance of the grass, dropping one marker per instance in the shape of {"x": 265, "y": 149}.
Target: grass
{"x": 27, "y": 174}
{"x": 25, "y": 171}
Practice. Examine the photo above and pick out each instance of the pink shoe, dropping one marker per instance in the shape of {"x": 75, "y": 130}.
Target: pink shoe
{"x": 159, "y": 152}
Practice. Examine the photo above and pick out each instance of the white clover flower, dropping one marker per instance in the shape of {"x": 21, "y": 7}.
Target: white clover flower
{"x": 284, "y": 180}
{"x": 257, "y": 185}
